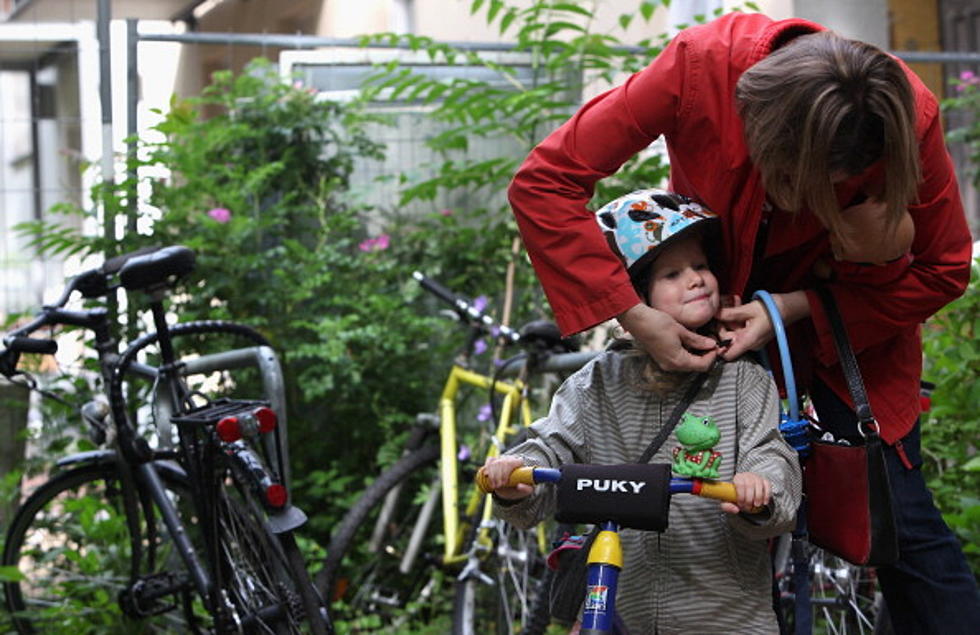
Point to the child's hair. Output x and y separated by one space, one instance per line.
638 225
823 105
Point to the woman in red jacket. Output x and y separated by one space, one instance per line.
825 159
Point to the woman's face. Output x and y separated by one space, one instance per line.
682 285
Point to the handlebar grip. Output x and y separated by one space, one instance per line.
436 289
20 344
521 475
718 490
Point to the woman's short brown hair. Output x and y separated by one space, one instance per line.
823 106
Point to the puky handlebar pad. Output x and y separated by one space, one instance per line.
631 494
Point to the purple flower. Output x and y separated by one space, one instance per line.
375 244
464 453
220 214
484 413
480 303
479 347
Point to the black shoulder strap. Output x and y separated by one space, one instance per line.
852 372
675 416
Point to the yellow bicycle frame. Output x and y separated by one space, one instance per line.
514 392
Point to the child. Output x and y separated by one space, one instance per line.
709 572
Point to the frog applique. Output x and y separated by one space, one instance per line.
697 435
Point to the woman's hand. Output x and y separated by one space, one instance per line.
498 469
667 342
748 326
753 492
866 236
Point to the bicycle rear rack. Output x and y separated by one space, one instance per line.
211 413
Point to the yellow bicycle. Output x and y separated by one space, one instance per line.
388 565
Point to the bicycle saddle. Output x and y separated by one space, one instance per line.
94 283
156 268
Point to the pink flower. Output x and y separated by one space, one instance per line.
446 212
220 214
375 244
966 76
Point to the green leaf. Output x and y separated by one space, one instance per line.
624 20
495 7
647 9
11 574
508 19
475 6
572 8
973 465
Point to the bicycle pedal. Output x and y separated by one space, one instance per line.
142 599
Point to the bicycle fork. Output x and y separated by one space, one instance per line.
605 561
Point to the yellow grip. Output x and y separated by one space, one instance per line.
722 491
718 490
520 475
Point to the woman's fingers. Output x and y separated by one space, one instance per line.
671 345
748 326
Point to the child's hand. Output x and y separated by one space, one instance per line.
753 492
498 469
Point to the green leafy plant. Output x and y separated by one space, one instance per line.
951 427
254 175
967 102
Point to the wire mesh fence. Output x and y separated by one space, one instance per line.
52 121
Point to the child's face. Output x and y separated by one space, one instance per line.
682 285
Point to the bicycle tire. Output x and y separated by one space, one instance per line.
70 542
513 597
845 599
262 579
379 592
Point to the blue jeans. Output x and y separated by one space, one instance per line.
931 589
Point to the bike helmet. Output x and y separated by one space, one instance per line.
638 224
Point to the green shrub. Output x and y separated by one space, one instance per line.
951 428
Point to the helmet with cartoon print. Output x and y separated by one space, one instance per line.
638 224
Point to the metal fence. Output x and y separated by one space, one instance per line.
52 114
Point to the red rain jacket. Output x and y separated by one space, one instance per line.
687 95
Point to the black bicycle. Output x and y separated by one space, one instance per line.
148 535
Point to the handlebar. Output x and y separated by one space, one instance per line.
93 283
466 311
19 344
705 488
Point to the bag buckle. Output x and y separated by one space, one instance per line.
873 429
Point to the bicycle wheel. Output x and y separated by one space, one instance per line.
262 582
69 555
508 592
844 598
372 587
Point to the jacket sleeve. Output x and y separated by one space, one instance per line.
876 303
554 440
763 451
584 282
